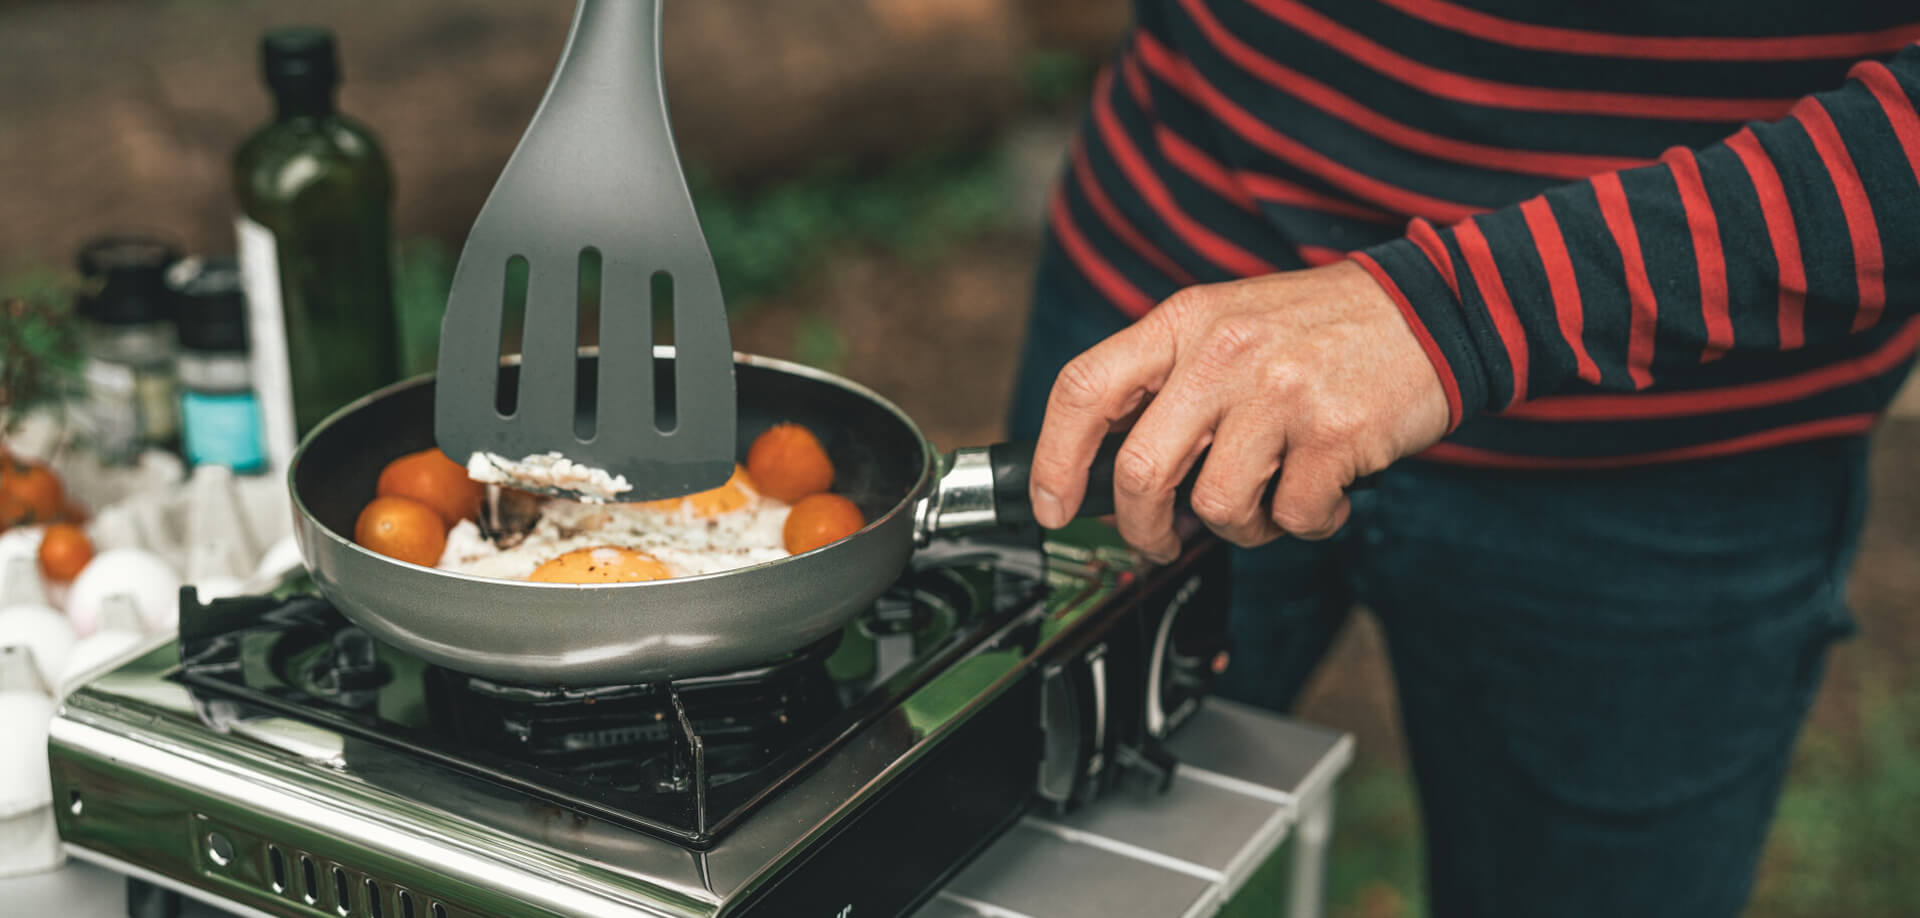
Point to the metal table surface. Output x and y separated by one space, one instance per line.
1247 781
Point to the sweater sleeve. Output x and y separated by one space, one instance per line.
1788 234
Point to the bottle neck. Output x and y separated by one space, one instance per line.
304 102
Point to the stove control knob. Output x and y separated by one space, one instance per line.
1188 652
1063 737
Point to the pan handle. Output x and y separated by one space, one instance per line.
1011 463
986 487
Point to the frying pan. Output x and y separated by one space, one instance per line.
574 634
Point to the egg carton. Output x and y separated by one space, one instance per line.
29 843
162 528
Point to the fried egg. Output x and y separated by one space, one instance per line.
601 564
728 527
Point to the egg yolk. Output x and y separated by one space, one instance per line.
734 495
601 564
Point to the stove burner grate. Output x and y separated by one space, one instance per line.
683 760
631 736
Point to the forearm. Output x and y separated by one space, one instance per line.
1788 234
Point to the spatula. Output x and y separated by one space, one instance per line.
596 172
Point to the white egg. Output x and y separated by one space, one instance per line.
116 526
45 633
152 585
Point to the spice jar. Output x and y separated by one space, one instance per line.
219 413
127 337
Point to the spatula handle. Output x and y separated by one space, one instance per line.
613 50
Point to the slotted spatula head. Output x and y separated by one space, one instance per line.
597 172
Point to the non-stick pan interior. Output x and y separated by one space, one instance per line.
877 455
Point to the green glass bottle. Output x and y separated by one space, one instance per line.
316 246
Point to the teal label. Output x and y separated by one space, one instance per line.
222 429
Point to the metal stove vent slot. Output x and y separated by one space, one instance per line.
342 892
324 887
309 881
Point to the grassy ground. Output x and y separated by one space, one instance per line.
1844 843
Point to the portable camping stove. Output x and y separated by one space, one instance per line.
276 760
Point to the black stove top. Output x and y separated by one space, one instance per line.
277 756
684 760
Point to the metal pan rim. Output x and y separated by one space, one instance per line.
904 506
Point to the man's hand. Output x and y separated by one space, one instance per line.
1312 373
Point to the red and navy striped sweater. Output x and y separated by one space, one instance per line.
1626 232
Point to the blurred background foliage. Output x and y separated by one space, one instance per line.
769 239
871 176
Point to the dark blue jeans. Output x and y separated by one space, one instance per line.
1600 676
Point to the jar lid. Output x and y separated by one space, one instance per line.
123 280
210 306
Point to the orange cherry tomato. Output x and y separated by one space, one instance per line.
788 462
64 550
429 477
35 486
818 520
14 512
402 528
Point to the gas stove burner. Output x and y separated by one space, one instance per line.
904 622
346 671
560 696
684 759
631 736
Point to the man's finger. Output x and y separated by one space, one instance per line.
1162 446
1311 502
1106 383
1230 494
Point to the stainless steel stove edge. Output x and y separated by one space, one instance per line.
217 816
140 779
165 882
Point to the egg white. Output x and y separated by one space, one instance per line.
687 543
